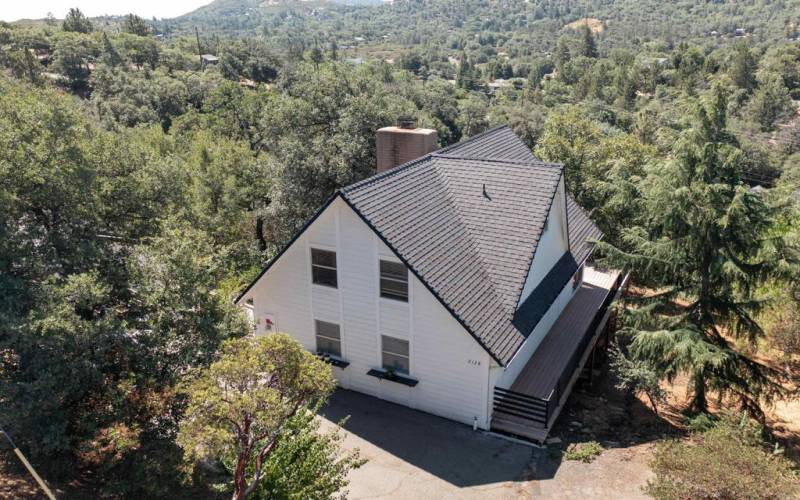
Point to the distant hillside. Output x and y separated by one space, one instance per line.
235 16
533 22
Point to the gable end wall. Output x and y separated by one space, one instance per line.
452 368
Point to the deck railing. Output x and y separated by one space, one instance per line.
577 354
539 410
530 408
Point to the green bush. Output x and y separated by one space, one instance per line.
728 461
585 452
701 422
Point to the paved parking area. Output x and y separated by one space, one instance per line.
413 455
419 456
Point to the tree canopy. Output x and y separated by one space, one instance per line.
246 399
709 242
140 190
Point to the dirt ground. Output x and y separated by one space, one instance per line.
14 482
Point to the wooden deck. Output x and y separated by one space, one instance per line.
552 370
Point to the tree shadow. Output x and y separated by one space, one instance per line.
598 411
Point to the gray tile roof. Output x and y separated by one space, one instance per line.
467 221
503 143
582 231
499 143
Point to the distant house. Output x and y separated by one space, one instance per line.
457 282
499 83
207 59
41 55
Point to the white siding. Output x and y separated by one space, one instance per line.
452 368
290 305
503 378
552 245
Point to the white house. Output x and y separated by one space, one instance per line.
436 284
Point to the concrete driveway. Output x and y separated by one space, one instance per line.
419 456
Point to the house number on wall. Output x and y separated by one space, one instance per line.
473 362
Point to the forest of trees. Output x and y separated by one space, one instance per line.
140 191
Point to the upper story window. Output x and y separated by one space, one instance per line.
394 354
394 280
329 338
323 267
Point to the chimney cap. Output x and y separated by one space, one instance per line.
406 122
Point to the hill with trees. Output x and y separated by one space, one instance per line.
141 188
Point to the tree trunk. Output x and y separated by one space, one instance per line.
652 403
245 450
239 480
699 403
262 241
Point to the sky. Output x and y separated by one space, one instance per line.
12 10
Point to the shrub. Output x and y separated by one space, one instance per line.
784 332
730 460
701 422
585 452
637 377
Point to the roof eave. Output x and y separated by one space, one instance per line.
283 250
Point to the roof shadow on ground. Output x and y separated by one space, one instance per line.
448 450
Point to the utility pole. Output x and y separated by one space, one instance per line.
199 50
28 466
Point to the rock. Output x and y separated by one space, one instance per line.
553 440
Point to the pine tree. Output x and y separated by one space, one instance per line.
24 66
315 56
333 50
464 78
705 243
135 25
743 68
562 54
110 54
588 45
75 21
770 102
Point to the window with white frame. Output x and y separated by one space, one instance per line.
394 280
394 354
323 267
329 338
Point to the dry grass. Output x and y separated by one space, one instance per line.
596 25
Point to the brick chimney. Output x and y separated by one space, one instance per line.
403 143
